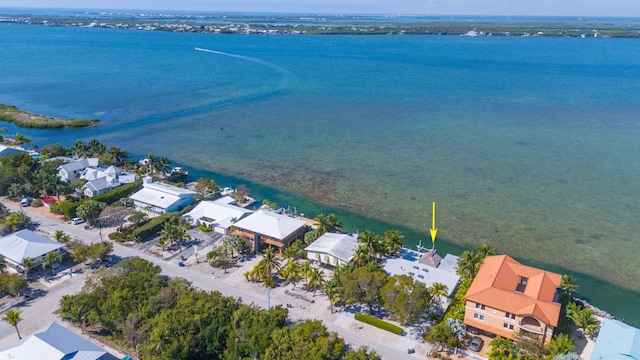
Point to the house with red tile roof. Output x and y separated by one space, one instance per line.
507 298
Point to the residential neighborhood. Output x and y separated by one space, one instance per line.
361 285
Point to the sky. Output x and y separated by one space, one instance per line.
593 8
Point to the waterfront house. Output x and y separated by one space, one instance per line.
99 180
53 342
158 198
6 150
507 298
220 214
72 170
24 244
267 228
332 249
422 268
616 340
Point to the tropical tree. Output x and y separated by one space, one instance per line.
305 271
269 262
18 221
371 242
90 210
204 187
333 289
52 258
138 217
61 237
80 149
3 264
437 291
20 139
392 241
361 255
27 264
483 251
406 299
468 265
12 284
560 344
115 216
568 284
586 321
503 349
291 272
78 315
219 257
323 224
316 280
13 318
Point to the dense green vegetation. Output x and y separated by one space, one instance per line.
159 318
26 119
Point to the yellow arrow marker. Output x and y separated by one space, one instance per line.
433 229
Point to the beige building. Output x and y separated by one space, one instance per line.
507 298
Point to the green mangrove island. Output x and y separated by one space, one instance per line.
25 119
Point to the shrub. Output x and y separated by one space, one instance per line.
205 228
379 323
37 203
151 228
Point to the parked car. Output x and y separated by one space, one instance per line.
76 221
24 201
472 330
476 343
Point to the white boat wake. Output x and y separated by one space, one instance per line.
288 78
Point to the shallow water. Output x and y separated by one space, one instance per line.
530 144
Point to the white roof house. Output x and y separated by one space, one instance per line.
26 244
220 214
424 273
74 169
158 198
6 150
270 228
99 180
53 342
333 249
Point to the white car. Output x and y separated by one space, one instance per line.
76 221
24 202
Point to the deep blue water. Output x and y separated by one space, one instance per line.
530 144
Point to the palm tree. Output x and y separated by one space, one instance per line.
568 284
305 271
78 316
361 256
20 139
483 251
393 241
27 264
3 212
169 233
468 265
13 318
334 223
151 161
61 237
52 258
586 321
291 272
3 264
370 242
269 262
323 224
437 290
80 149
316 279
333 289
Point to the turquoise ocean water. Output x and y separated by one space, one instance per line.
530 144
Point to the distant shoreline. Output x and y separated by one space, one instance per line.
326 25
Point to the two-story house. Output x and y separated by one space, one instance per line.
507 298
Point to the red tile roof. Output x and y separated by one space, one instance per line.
496 282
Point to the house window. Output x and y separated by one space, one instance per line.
505 325
480 306
475 316
510 326
510 316
481 317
